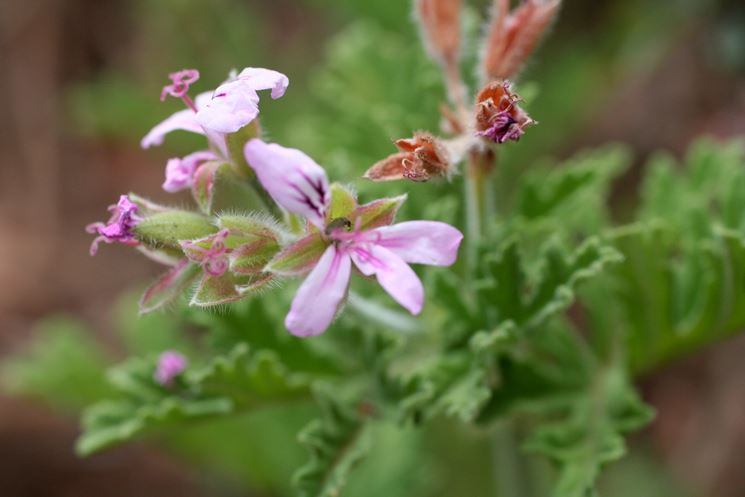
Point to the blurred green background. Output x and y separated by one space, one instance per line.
79 82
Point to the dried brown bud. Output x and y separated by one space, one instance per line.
499 118
440 22
512 36
420 158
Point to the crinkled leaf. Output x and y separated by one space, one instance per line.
230 384
337 441
590 433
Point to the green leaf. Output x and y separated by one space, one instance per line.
337 441
574 192
228 385
590 433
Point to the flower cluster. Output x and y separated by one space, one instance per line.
228 257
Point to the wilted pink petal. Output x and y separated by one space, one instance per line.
265 79
393 274
170 365
180 172
421 242
293 179
119 227
320 295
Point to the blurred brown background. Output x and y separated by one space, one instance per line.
687 79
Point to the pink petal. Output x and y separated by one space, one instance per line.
233 105
292 178
421 242
265 79
393 274
183 120
180 172
320 295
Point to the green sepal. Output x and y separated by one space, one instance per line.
252 258
168 286
343 203
299 257
236 142
377 213
216 290
168 228
205 178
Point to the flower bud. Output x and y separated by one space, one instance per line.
512 37
499 118
421 158
440 23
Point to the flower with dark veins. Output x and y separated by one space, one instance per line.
362 235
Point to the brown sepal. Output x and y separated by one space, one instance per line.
420 158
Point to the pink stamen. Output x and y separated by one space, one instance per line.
182 80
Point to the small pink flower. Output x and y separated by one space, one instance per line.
119 227
230 107
180 171
170 365
299 185
210 252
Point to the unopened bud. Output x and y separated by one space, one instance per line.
420 158
440 23
499 118
512 36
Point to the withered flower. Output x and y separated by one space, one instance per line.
420 158
499 118
512 36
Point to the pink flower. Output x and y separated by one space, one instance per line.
170 365
119 227
229 108
299 185
180 172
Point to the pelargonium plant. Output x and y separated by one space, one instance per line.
531 326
